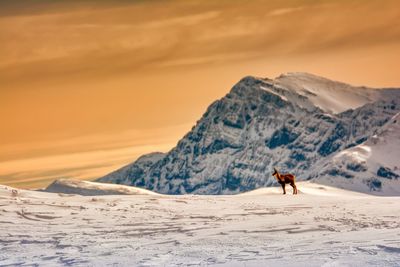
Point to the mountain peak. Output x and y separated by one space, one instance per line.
308 79
310 91
331 96
298 74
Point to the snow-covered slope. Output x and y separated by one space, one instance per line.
373 166
321 226
85 188
330 96
293 122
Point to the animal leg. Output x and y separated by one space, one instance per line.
294 188
283 187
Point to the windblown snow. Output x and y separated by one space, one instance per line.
321 226
330 96
86 188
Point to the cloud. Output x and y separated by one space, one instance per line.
284 11
188 20
85 157
115 39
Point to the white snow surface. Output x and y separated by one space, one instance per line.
69 186
385 146
321 226
330 96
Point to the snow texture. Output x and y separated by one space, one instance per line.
85 188
321 226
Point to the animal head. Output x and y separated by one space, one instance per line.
275 172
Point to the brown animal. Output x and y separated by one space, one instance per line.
284 179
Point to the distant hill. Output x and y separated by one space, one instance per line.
86 188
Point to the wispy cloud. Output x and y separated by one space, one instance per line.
284 11
84 157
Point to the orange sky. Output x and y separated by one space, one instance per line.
88 86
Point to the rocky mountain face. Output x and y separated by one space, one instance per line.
372 166
297 123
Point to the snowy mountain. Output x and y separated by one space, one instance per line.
295 122
373 166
